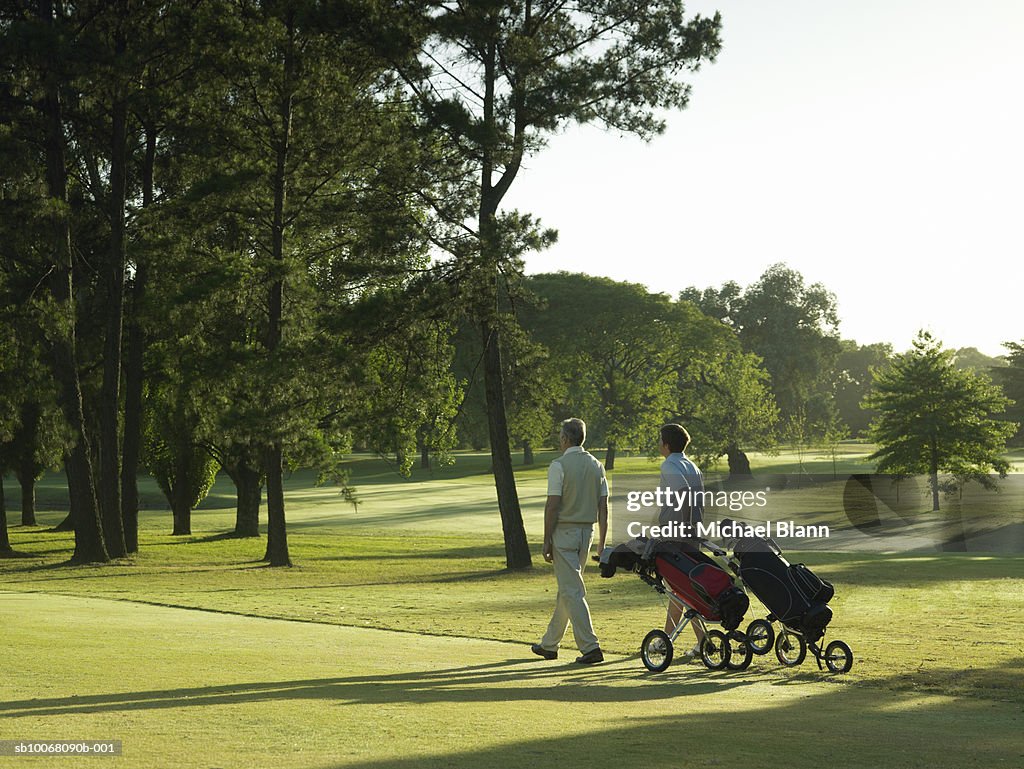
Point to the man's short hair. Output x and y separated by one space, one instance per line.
676 437
574 431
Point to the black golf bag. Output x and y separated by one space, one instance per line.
794 594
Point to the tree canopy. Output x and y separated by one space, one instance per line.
935 418
793 328
1011 377
496 78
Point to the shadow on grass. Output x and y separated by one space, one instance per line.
445 553
72 570
15 554
848 726
219 536
541 680
843 727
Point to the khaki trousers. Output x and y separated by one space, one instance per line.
570 548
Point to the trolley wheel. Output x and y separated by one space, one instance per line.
740 653
838 657
656 651
760 636
790 649
714 650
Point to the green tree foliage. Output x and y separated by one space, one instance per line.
534 384
792 327
627 360
39 56
173 453
235 177
853 379
973 358
37 445
101 64
726 404
615 343
935 418
39 436
8 419
1011 377
409 395
497 78
308 172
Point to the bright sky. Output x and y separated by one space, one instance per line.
875 146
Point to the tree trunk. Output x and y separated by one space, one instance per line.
609 456
933 473
277 532
248 492
517 549
26 442
110 400
424 454
181 491
89 541
182 514
273 465
5 540
28 498
739 464
68 524
134 373
527 453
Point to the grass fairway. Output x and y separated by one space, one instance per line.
200 689
398 640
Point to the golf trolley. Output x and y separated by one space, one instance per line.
796 598
699 588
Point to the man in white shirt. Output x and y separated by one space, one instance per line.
577 499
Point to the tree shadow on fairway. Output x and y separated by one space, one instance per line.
559 714
516 679
847 727
219 536
69 570
440 554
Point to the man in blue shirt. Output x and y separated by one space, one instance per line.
679 473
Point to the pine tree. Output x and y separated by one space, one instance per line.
934 418
497 78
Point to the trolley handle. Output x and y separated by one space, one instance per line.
711 547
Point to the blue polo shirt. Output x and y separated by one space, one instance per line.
679 472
